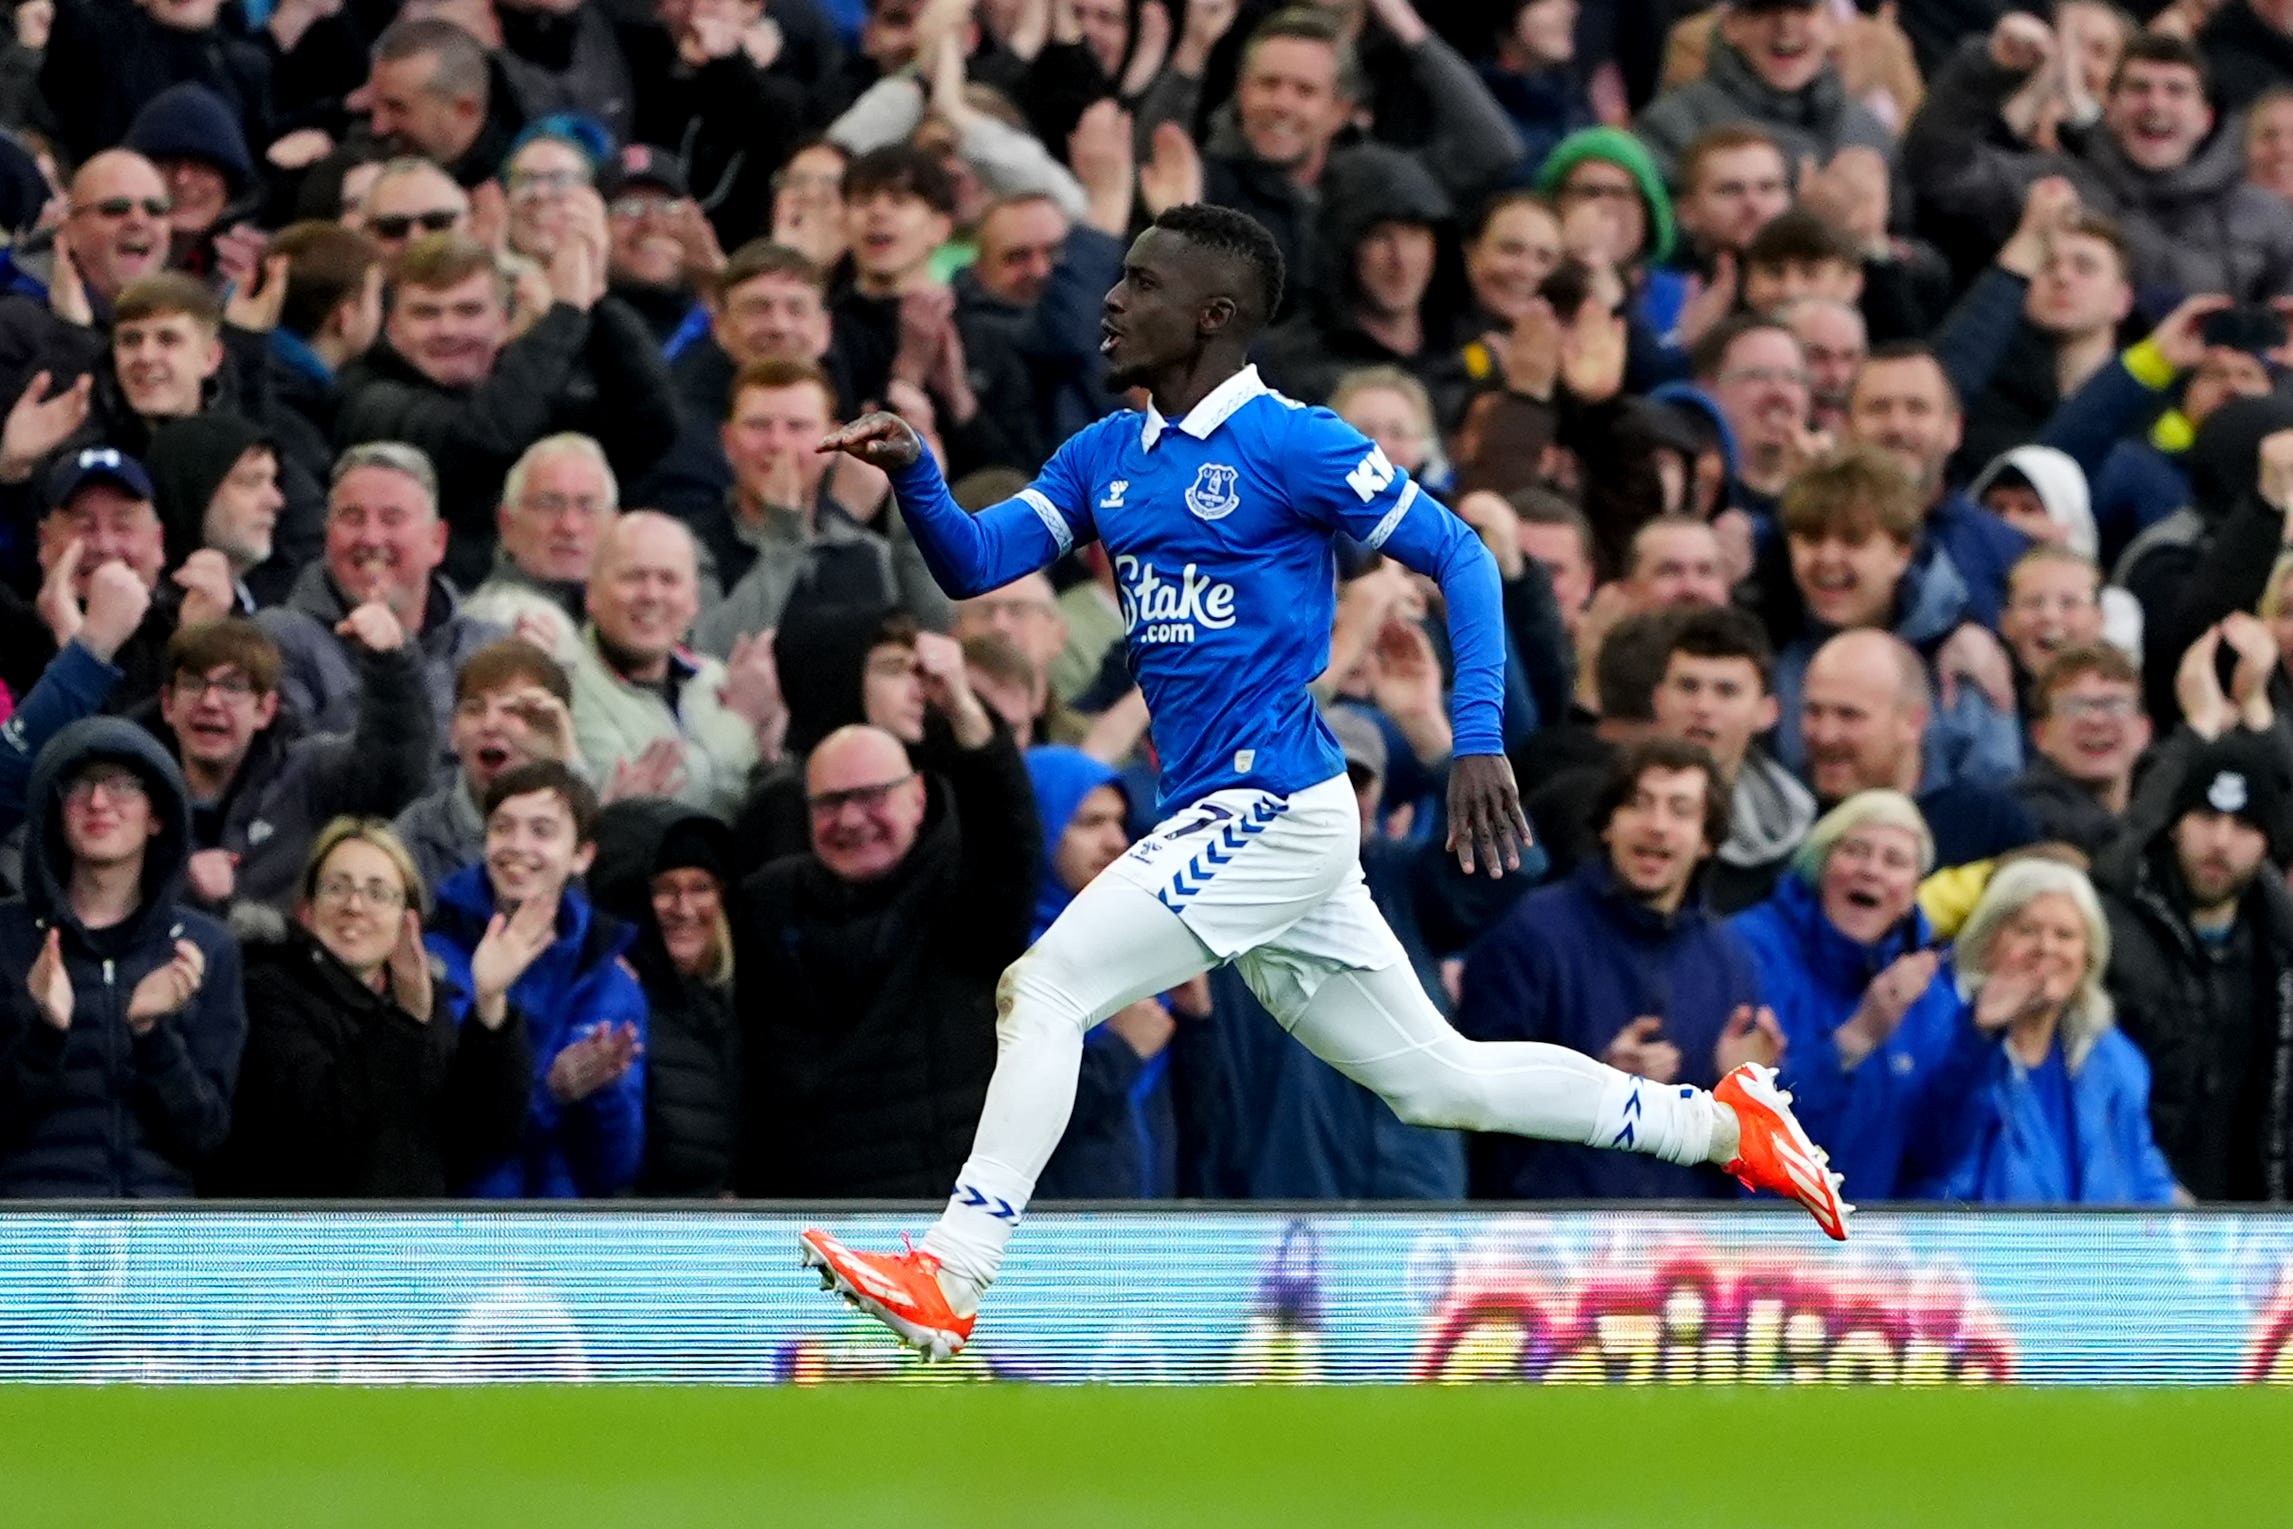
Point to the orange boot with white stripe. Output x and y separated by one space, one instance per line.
900 1290
1774 1153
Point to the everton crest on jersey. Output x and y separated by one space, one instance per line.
1219 528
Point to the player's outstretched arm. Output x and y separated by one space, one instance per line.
968 554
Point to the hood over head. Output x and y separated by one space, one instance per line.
47 858
2060 484
189 458
1062 777
2225 459
823 658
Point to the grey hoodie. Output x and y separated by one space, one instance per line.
1814 122
1769 816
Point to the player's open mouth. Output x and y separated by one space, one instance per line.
1109 336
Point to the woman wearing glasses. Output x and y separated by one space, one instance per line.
356 1079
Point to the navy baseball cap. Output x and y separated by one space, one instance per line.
97 464
640 164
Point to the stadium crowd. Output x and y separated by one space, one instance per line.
463 740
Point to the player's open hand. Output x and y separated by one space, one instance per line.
1487 828
879 439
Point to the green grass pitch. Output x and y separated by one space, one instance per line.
1045 1458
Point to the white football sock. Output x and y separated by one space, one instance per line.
1114 945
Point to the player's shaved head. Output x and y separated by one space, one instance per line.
1245 262
1197 287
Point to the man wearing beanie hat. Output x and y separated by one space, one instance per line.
1594 174
189 132
2201 965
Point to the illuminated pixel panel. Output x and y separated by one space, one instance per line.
1174 1296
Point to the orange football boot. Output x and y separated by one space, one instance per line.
1775 1154
900 1290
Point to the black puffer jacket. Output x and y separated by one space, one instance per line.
869 1010
2221 1064
343 1094
693 1046
95 1111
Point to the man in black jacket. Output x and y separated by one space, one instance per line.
99 516
114 233
866 969
2201 970
662 868
434 92
261 785
896 327
120 1019
448 378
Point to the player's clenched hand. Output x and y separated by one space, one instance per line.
1487 828
880 440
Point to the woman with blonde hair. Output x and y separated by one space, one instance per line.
356 1081
2060 1112
1879 1046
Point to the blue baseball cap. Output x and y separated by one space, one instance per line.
97 464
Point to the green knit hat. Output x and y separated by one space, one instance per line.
1615 146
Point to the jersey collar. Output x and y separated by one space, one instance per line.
1215 409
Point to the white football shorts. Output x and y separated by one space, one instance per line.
1247 870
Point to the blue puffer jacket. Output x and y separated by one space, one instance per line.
1572 965
570 1151
2014 1157
1897 1115
95 1111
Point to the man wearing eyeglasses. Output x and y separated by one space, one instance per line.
2087 729
261 785
115 232
124 1020
659 244
866 968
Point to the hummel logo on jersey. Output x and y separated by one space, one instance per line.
1158 610
1114 494
1212 495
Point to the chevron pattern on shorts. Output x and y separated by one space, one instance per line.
1219 849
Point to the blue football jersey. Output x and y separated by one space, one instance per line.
1221 528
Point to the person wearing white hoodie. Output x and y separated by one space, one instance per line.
2043 493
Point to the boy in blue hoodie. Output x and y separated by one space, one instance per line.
514 930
